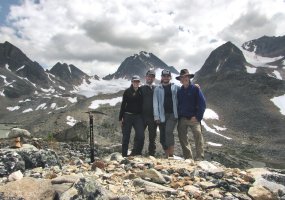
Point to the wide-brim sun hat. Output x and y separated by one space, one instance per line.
184 72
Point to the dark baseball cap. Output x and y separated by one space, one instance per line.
165 72
136 78
150 72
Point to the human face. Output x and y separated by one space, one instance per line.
149 79
165 79
136 84
185 80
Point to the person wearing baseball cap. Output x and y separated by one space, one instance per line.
131 117
147 110
165 111
191 108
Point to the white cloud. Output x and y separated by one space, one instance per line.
97 35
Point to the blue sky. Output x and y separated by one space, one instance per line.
4 9
97 35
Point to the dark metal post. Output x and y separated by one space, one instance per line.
91 137
91 133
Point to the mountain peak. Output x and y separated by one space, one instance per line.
226 58
266 46
69 73
139 64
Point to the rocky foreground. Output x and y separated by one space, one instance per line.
51 170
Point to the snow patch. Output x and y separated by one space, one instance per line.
250 70
7 67
2 93
72 100
218 128
257 60
210 114
280 103
42 106
277 75
217 69
51 89
30 82
53 106
49 77
28 110
101 87
69 69
62 88
20 68
95 104
214 144
26 100
213 130
13 108
57 108
71 121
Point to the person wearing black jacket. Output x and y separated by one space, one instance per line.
131 116
147 112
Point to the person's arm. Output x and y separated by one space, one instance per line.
201 105
123 106
155 105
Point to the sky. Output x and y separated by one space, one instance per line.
97 35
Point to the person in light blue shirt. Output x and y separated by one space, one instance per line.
165 111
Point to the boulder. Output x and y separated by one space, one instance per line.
12 160
78 132
211 169
28 188
153 175
18 132
17 175
261 193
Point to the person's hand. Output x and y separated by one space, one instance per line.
122 122
193 119
197 85
157 121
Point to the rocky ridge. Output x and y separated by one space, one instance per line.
115 177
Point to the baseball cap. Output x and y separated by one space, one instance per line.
165 72
150 72
135 78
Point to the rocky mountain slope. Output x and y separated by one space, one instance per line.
243 103
139 64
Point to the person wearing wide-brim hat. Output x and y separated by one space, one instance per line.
130 117
183 73
191 108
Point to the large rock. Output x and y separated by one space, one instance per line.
211 169
153 175
28 188
12 160
87 188
260 193
18 132
273 181
76 133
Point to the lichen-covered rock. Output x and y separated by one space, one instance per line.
28 188
18 132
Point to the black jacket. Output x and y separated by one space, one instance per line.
132 102
147 106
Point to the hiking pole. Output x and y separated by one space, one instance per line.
91 133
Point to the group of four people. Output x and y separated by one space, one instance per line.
164 105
